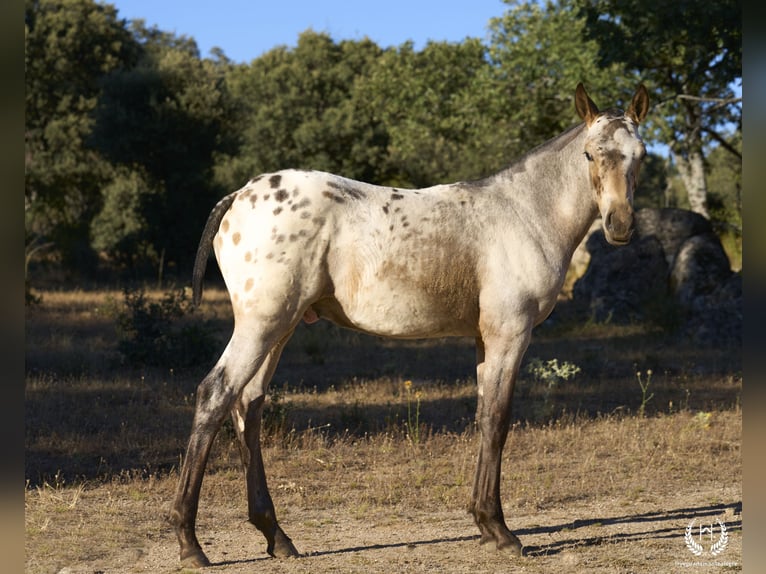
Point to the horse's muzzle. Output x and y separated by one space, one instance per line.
619 226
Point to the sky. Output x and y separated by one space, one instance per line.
245 29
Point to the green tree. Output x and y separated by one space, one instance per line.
436 108
689 53
294 111
70 45
162 121
539 54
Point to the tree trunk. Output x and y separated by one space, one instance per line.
692 171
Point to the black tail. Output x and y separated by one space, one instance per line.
206 242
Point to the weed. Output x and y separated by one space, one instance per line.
413 421
161 333
275 413
645 396
549 374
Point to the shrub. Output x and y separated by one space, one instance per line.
163 333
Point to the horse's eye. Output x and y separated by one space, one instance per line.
588 156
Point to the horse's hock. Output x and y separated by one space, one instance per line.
674 259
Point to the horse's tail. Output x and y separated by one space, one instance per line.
206 242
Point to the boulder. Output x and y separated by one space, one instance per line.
620 282
674 268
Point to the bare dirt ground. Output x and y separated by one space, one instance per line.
379 505
606 536
591 481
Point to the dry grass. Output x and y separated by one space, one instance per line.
103 443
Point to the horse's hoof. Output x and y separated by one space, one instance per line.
513 547
195 559
283 547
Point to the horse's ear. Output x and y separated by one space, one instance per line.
639 105
585 107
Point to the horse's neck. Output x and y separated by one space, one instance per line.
550 187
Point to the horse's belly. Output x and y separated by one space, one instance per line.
400 314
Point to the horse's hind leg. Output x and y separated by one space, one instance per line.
216 395
246 415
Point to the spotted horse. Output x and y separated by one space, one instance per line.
483 259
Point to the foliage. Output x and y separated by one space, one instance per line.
549 372
275 413
131 136
436 108
539 54
160 333
646 396
69 46
690 56
546 375
413 419
294 110
162 120
119 230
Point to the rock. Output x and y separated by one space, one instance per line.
671 227
621 281
700 267
675 267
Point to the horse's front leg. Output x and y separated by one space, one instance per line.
247 416
498 360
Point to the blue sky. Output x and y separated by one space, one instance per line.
245 29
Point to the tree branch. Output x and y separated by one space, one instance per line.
720 101
723 143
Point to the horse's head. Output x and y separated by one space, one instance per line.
614 150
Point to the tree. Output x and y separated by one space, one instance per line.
162 122
539 54
294 111
69 46
435 107
689 53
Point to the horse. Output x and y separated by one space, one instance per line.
483 259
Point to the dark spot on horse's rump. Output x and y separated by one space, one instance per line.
281 195
277 211
318 220
346 189
405 224
396 196
385 209
280 238
391 227
334 197
253 199
269 256
256 179
275 180
305 215
305 202
266 197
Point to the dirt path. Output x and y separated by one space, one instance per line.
610 536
